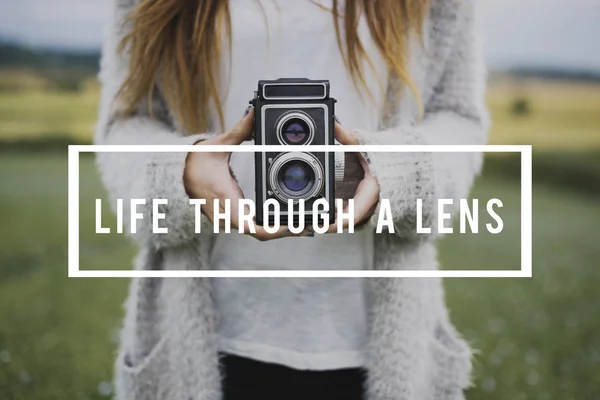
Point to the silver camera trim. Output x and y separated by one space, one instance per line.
264 93
264 109
285 159
295 115
340 164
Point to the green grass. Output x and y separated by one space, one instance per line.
538 338
59 332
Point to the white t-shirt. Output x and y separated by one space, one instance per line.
303 323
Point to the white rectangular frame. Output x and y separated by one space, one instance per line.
526 214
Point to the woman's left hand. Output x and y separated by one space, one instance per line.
366 196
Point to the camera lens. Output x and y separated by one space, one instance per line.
296 176
295 131
295 128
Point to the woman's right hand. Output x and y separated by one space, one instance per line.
208 176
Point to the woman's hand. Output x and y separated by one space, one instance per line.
366 195
208 176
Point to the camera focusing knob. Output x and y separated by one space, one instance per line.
340 164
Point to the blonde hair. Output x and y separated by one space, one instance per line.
179 43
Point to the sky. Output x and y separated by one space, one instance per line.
549 33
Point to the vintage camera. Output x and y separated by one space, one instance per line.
298 113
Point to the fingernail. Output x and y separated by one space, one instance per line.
247 110
337 119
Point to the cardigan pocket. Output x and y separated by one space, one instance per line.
146 379
450 366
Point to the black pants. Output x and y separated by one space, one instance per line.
246 379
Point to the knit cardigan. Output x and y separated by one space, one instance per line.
168 348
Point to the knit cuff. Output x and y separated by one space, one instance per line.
404 178
164 180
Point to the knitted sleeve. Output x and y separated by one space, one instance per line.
455 113
146 176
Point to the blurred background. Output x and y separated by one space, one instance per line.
537 338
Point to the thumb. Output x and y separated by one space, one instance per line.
242 131
344 136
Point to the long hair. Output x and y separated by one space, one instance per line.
179 43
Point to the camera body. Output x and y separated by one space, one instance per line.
298 113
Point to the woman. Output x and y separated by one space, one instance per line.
404 72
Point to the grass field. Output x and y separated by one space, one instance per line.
537 338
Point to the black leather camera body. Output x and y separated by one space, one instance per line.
298 113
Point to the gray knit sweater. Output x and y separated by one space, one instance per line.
168 347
